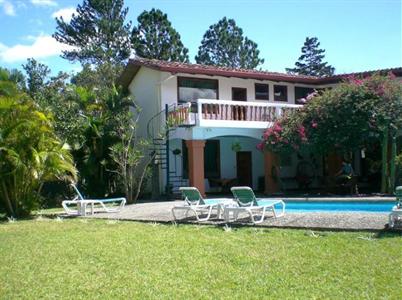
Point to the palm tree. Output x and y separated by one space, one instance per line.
30 152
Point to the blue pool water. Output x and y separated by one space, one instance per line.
339 206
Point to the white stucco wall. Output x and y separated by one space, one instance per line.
169 87
228 157
146 89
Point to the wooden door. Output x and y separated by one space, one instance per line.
239 113
244 168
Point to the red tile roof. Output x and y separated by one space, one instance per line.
178 67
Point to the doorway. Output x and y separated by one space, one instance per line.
244 169
239 113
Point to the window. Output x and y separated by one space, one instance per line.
280 93
261 91
302 93
191 89
212 160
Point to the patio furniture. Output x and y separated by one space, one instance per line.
395 217
194 202
81 204
247 202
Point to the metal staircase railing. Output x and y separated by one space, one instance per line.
174 117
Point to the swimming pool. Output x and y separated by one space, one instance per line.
339 206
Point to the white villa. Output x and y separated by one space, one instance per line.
216 118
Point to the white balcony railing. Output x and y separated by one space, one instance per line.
224 113
246 114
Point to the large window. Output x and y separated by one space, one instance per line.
302 93
191 89
261 91
280 93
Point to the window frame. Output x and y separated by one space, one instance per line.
255 90
286 93
302 87
179 78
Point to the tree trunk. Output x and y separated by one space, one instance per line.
142 178
384 160
7 199
392 165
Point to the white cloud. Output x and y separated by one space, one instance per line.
66 13
44 2
8 7
42 46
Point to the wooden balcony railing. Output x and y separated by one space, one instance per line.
224 113
254 114
179 115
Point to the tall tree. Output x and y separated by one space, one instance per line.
311 61
98 33
37 74
154 37
223 44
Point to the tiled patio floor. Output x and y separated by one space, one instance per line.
161 212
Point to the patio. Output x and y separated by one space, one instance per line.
161 212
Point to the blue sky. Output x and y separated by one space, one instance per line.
358 35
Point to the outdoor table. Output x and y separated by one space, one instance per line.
232 207
226 202
82 207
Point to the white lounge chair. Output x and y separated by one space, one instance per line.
81 204
247 202
194 202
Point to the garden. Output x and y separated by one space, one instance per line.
57 129
84 258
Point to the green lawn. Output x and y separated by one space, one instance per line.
107 259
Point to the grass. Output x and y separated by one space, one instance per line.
92 259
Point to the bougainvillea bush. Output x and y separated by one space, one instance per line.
341 119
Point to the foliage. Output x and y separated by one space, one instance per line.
147 261
30 154
97 115
129 154
14 75
97 78
343 119
310 62
154 37
398 163
37 74
223 44
98 33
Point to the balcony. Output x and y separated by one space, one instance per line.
224 113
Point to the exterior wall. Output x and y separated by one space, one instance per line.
227 157
146 92
169 87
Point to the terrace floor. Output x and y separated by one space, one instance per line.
161 212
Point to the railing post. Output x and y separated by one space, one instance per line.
167 153
199 116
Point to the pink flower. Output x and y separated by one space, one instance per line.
260 146
355 81
302 133
314 124
277 127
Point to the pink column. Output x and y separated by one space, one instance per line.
196 164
